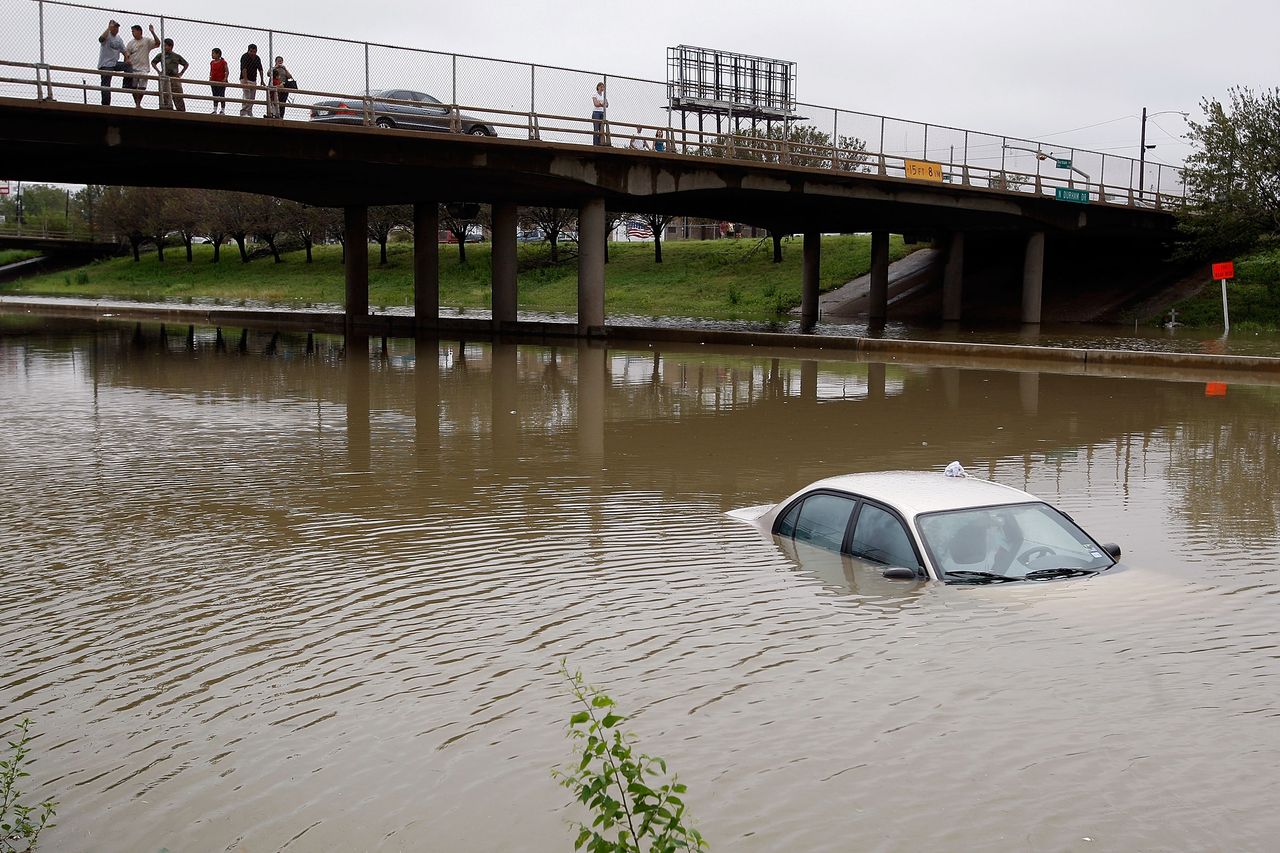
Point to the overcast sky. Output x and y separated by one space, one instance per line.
994 65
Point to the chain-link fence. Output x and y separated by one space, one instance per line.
53 54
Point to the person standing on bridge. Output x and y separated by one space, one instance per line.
111 48
138 52
599 104
171 87
218 72
250 76
279 91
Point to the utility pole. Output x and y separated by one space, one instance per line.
1142 155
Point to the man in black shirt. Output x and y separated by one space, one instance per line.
250 73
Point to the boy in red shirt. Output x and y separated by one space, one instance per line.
218 81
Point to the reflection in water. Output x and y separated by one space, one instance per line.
227 639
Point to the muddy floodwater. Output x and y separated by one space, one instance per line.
259 598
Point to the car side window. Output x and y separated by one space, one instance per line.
821 520
880 537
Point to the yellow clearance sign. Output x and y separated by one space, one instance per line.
923 170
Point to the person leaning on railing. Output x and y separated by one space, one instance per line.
111 48
138 52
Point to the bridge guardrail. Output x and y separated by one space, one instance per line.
53 41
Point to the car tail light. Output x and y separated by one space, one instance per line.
344 110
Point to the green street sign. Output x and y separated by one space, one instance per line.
1063 164
1068 194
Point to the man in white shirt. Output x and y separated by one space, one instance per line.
111 46
138 53
639 143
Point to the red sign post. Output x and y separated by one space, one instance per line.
1222 272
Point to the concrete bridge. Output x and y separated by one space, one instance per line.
353 167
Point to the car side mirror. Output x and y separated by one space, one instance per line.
1113 549
901 573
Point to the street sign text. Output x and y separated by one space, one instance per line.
1070 194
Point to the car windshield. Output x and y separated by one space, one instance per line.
1028 541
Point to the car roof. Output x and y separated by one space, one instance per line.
916 492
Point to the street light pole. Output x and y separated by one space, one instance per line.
1142 156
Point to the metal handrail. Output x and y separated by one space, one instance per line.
531 129
765 150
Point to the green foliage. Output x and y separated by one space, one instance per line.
799 145
20 825
635 807
693 280
1254 295
734 294
1233 175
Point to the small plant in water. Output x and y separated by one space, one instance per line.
635 807
20 825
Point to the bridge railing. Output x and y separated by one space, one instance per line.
53 47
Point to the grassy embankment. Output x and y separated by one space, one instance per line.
715 279
1253 296
12 256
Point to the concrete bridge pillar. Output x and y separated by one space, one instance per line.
1033 278
355 227
591 239
809 280
952 278
878 309
426 264
503 272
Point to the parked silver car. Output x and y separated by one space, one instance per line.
403 108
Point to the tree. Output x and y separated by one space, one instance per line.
459 219
798 145
180 211
229 214
657 223
122 209
213 221
552 222
87 204
266 221
777 244
1233 175
385 219
611 220
308 223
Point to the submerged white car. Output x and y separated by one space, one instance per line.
950 527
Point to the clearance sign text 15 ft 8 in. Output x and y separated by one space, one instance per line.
923 170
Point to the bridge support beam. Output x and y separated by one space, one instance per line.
878 308
953 278
503 271
591 246
426 265
809 280
1033 278
355 227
